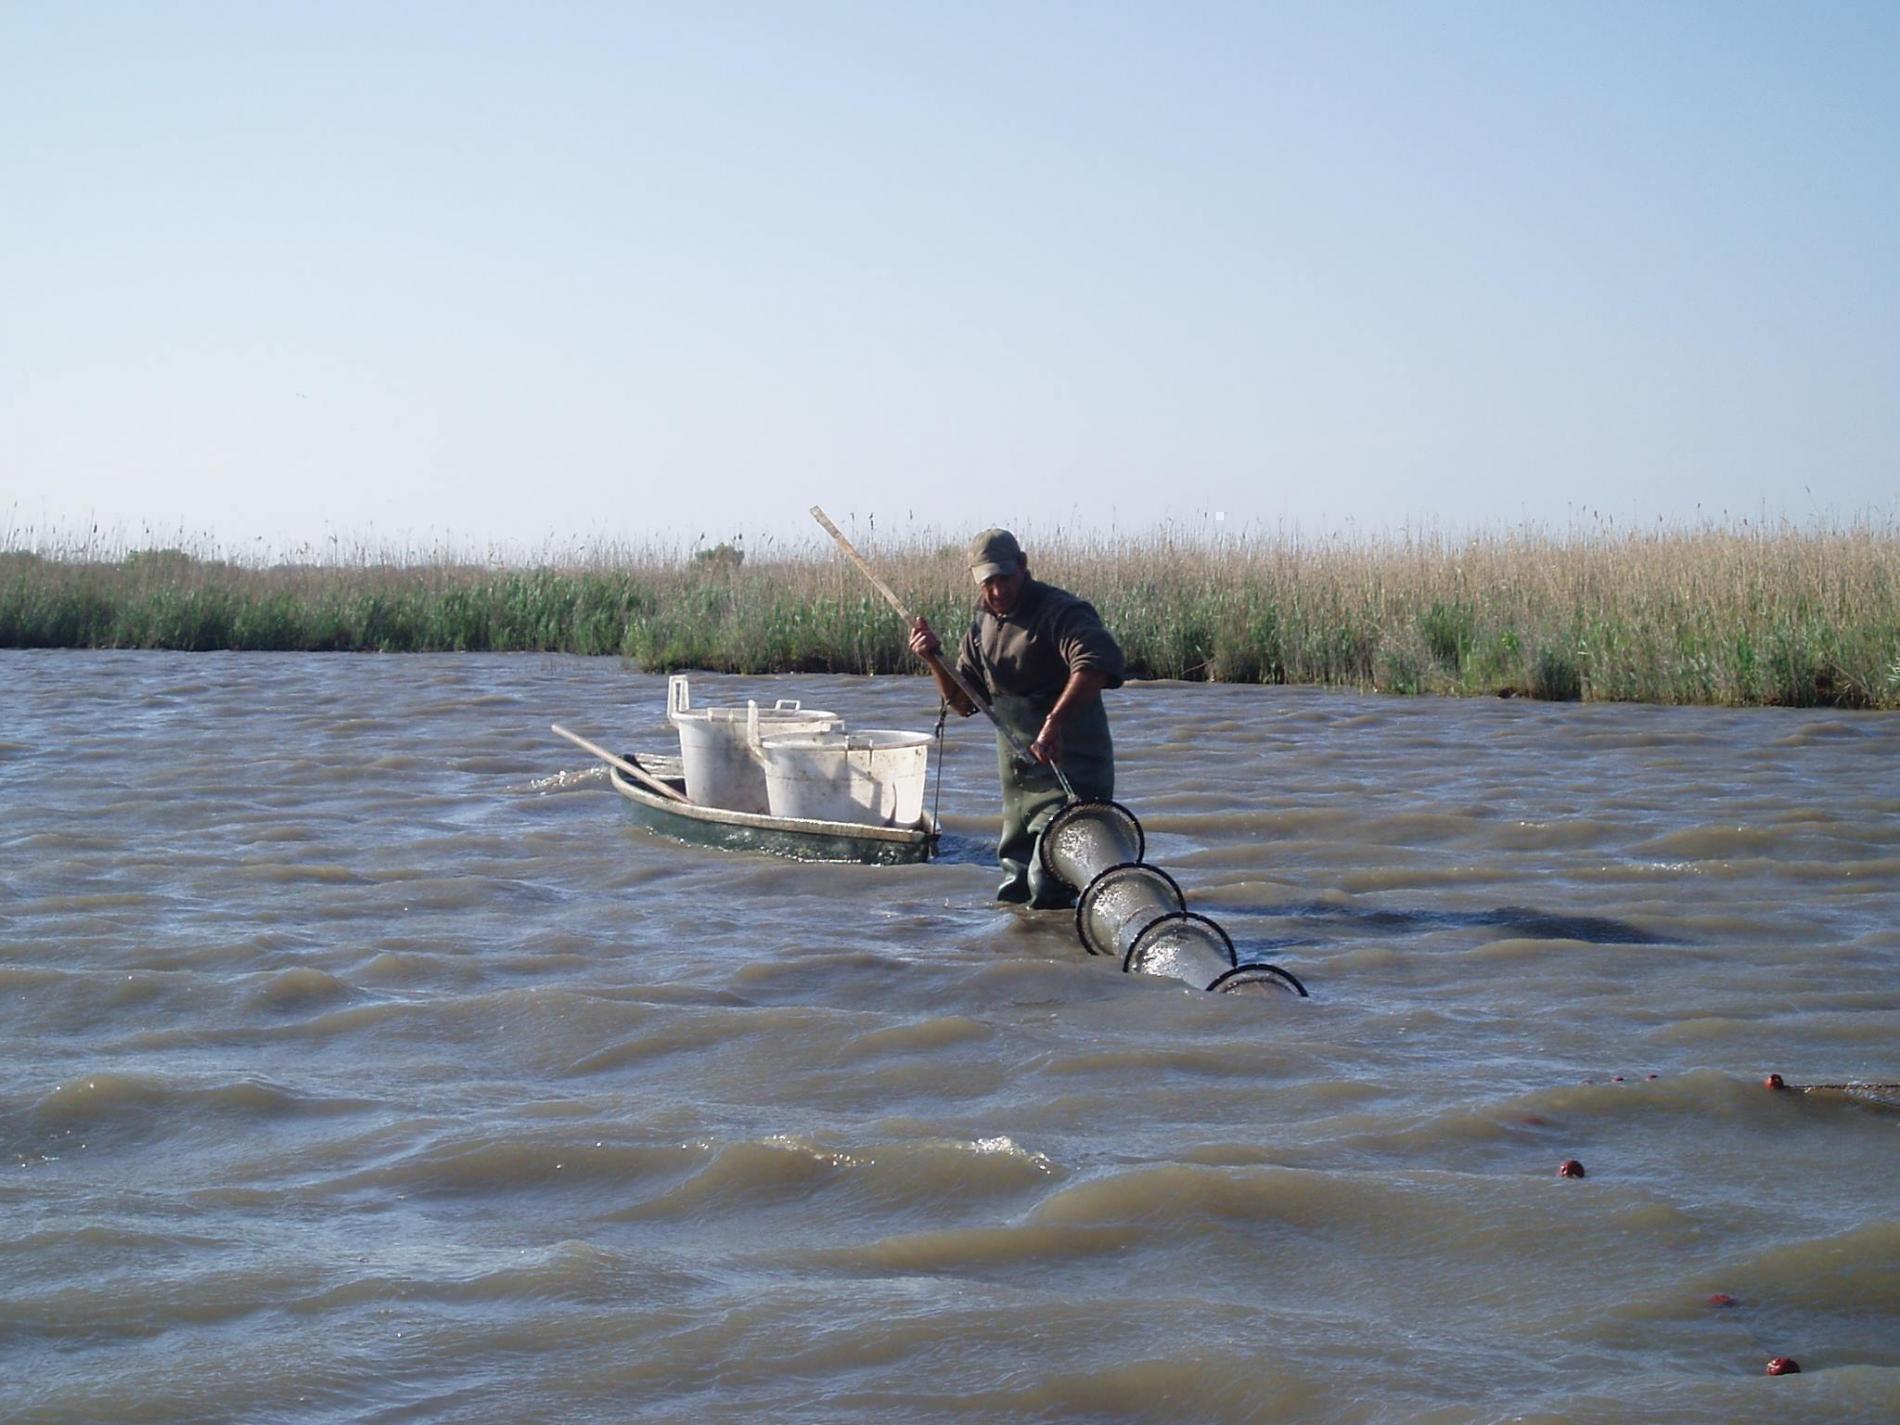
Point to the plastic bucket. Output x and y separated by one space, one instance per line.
718 745
875 777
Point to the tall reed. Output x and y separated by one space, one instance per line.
1736 614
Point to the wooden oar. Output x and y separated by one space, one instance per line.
936 660
644 778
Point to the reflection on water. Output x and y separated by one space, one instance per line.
361 1062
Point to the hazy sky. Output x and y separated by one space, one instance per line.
517 275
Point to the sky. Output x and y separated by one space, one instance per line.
514 278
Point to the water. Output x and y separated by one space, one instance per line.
359 1062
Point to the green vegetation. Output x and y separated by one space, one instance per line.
1732 615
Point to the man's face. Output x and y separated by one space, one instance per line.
1000 591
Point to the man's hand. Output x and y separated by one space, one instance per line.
927 646
1083 684
1048 744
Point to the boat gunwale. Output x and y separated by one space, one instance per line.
921 832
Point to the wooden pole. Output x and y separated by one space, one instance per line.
644 778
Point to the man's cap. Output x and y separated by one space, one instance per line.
993 552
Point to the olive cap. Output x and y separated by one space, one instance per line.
994 552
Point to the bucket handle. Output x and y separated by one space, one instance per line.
754 744
752 724
678 699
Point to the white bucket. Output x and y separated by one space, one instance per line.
874 777
719 745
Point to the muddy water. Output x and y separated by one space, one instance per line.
359 1062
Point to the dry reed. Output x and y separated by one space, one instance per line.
1735 615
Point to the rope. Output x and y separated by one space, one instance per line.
943 716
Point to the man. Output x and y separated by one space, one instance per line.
1042 658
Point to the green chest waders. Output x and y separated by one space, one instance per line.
1031 794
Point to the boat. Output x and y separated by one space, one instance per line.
797 838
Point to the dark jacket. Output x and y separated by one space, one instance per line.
1031 651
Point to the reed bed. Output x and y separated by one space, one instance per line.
1734 615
